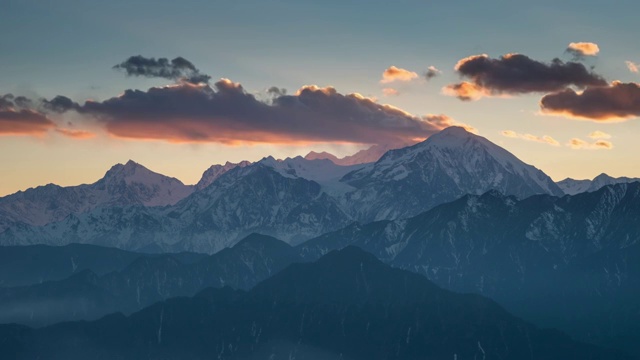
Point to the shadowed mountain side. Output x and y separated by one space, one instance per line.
571 262
28 265
348 305
146 280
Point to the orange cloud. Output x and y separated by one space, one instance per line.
24 122
390 92
583 49
599 135
466 91
545 139
76 134
393 73
579 144
633 67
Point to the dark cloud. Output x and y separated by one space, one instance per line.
6 101
226 113
615 102
518 74
179 69
276 91
431 72
59 104
23 122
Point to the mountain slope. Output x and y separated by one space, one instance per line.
444 167
347 305
572 186
27 265
569 262
129 184
215 171
86 295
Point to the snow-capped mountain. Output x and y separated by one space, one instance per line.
214 172
571 186
446 166
257 198
128 184
369 155
293 199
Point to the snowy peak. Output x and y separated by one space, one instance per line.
322 171
369 155
214 172
446 166
572 187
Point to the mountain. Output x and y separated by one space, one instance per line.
27 265
572 187
446 166
369 155
214 172
570 262
129 184
297 199
347 305
269 197
86 295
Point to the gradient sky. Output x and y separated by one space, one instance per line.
70 47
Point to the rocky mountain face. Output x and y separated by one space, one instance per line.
147 279
215 171
347 305
444 167
571 186
122 185
570 262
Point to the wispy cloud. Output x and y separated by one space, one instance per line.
633 67
579 144
545 139
599 135
179 69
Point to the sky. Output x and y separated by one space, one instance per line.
180 86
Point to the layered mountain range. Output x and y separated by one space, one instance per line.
293 199
347 305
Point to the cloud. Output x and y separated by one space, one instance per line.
179 69
226 113
390 92
24 122
393 73
579 144
517 74
545 139
616 102
581 49
76 134
432 72
599 135
465 91
633 67
443 121
59 104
